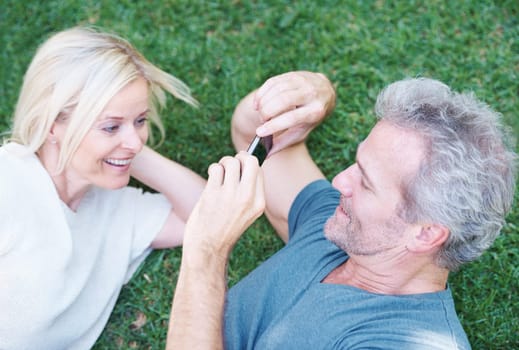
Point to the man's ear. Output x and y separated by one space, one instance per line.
430 237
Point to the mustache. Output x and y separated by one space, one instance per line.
345 205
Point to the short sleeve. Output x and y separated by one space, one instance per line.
317 200
151 212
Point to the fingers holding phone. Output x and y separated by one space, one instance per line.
232 200
260 147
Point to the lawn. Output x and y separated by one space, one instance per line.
223 49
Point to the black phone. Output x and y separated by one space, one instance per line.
260 147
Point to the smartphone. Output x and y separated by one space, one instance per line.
260 147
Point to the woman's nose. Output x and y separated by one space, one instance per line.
133 139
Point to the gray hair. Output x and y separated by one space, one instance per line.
466 181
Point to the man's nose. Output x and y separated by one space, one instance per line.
343 181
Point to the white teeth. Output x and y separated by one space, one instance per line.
118 162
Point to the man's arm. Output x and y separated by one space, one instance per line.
231 201
288 106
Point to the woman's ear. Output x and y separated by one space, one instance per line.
51 137
56 132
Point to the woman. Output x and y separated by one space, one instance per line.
72 232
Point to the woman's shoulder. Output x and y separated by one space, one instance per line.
21 173
16 155
14 149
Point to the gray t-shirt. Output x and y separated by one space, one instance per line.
283 304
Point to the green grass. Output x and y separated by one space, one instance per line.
223 49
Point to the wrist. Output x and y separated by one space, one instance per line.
204 249
205 259
245 120
138 164
242 135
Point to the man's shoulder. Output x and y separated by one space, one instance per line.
317 200
318 188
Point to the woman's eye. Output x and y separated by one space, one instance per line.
141 121
111 128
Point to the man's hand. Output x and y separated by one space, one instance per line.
291 105
232 199
287 106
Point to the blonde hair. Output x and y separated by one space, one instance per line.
73 75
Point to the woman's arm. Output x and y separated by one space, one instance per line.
179 184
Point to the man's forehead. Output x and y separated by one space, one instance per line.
393 146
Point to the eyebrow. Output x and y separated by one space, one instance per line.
116 117
110 117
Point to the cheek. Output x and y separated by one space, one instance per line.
361 211
144 134
83 154
376 216
367 209
86 160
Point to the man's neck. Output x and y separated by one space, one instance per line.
397 278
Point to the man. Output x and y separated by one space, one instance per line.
367 260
